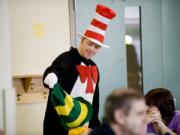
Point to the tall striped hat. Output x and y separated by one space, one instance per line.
97 29
72 112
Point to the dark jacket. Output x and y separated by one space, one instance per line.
104 129
64 66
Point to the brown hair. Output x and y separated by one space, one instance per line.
163 100
120 99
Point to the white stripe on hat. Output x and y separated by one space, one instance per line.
96 29
95 41
101 18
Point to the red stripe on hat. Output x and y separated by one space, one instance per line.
99 24
105 11
94 35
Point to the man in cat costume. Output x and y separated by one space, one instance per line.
77 74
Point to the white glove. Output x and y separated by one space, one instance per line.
50 80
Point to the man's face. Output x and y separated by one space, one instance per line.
135 121
88 48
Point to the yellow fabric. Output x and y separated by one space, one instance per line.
66 109
81 117
78 131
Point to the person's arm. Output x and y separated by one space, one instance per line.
54 73
163 129
177 122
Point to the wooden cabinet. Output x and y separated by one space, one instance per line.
30 89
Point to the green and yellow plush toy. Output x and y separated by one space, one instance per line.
73 112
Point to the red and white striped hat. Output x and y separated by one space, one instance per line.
97 29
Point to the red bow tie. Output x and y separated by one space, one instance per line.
89 73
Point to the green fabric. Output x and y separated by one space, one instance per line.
90 110
57 96
74 112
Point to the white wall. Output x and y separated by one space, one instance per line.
30 118
7 93
32 54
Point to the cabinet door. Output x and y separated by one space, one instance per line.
112 61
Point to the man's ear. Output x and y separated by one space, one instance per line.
119 116
82 38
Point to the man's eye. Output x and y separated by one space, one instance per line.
97 47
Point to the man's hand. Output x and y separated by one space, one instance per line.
51 79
